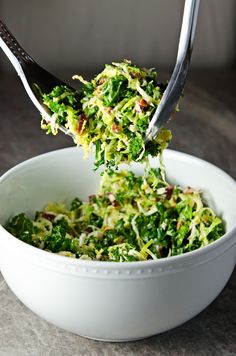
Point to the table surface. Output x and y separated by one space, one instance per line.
205 127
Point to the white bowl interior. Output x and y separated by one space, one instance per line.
63 174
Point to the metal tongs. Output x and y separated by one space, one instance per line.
36 80
176 84
34 77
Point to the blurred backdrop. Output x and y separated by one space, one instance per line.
82 35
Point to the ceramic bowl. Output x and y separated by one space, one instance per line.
111 300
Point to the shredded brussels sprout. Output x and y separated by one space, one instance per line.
131 218
111 113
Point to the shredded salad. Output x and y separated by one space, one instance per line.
110 114
131 218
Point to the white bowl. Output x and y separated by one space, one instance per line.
111 300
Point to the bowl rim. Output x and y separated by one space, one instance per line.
197 254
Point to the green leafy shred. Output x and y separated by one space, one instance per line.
131 218
111 113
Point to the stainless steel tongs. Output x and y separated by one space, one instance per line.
176 84
31 73
35 79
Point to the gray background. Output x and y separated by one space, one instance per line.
82 35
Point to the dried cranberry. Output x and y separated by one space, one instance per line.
81 123
48 216
115 128
169 191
